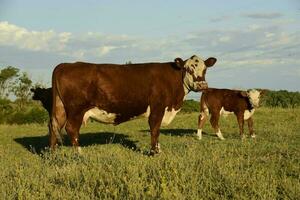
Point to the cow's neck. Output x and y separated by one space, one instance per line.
186 86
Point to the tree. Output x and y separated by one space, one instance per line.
7 75
22 89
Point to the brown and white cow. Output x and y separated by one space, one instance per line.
219 102
118 93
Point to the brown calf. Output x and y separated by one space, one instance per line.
223 102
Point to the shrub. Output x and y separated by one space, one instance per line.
190 106
34 115
282 98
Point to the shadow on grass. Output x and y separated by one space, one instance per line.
174 132
181 132
38 144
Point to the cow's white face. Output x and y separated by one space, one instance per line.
254 97
195 69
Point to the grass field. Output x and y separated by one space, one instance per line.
115 165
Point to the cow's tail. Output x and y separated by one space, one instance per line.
58 117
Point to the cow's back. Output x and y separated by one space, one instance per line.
230 100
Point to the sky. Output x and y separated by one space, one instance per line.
256 43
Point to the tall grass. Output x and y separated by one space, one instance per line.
115 165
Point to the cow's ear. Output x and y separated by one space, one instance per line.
32 89
244 94
210 61
179 63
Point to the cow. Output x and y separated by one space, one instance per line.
44 95
118 93
219 102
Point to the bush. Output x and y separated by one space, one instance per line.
190 106
282 98
34 115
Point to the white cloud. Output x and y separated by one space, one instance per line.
12 35
106 49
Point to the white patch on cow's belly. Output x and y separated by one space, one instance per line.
169 116
100 115
147 113
224 112
248 114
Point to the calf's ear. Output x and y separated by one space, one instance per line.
263 92
210 61
179 63
244 94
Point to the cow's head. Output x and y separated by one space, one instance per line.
254 96
195 70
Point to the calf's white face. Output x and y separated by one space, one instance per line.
254 97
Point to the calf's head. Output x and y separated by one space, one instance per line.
39 93
195 70
254 96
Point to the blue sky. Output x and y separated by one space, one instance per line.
257 43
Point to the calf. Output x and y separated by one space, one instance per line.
223 102
45 96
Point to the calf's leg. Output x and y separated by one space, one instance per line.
240 119
201 121
214 121
250 127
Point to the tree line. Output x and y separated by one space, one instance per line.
17 107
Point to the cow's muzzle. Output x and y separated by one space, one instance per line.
202 85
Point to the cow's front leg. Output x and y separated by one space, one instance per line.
155 119
250 127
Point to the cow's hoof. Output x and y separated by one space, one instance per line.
199 134
198 137
155 151
79 150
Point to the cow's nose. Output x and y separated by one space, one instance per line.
203 85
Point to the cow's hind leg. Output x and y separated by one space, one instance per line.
72 128
155 119
56 123
214 121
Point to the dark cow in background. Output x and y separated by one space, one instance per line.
223 102
118 93
43 95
